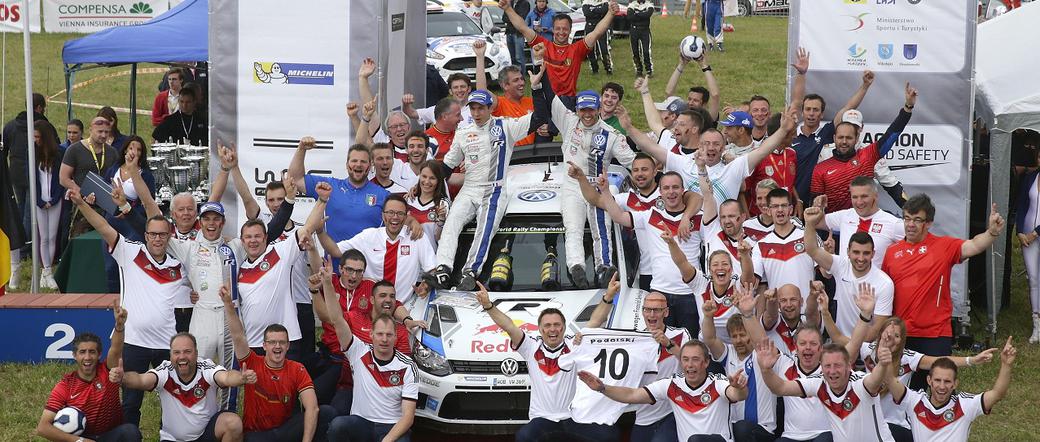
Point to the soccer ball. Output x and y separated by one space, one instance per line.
691 47
70 420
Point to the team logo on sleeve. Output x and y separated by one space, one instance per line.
370 199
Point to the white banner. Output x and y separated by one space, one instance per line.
11 16
87 16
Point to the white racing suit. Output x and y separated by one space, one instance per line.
486 151
592 149
209 265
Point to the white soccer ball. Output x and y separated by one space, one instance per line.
70 420
691 47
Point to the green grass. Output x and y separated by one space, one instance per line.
753 64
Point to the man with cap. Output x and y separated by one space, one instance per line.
737 129
882 173
485 148
589 144
662 117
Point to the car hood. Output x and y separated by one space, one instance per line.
458 44
473 336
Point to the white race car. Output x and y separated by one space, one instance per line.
470 379
449 45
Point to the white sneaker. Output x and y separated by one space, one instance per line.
1035 338
12 285
47 279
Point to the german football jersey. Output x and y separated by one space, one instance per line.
726 179
760 405
425 213
400 261
273 398
380 386
701 409
633 201
920 273
780 166
781 260
552 388
854 414
782 335
847 287
648 225
832 177
667 367
186 406
802 417
951 422
301 270
704 290
755 229
619 358
264 288
149 290
714 238
97 398
908 364
883 227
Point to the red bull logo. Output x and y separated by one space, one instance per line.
481 346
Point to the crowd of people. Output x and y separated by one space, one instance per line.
768 269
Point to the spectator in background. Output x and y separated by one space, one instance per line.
1027 225
73 134
16 150
91 154
540 19
49 195
120 173
639 14
599 52
168 101
188 124
116 138
514 39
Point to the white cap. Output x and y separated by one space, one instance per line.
853 116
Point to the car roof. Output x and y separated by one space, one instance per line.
535 180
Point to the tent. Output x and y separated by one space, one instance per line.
180 34
1007 98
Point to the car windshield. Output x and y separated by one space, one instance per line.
449 24
525 240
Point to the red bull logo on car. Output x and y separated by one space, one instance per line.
479 345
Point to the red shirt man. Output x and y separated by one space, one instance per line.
780 166
271 401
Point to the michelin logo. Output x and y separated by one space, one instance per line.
293 73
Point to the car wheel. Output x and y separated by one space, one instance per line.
744 8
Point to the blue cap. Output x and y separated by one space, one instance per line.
479 96
214 207
738 118
586 100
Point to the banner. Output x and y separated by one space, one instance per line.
11 16
87 16
271 85
928 43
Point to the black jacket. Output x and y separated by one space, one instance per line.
522 8
16 147
594 12
639 13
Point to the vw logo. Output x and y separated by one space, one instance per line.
537 196
509 367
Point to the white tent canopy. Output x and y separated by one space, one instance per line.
1007 97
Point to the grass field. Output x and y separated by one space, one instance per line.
753 64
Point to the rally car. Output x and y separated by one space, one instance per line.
449 45
763 7
470 379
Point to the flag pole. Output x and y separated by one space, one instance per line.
30 205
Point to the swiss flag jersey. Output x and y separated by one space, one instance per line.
552 389
701 409
951 422
920 273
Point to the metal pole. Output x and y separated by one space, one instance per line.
30 205
133 98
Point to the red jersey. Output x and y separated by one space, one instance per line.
509 108
832 177
440 142
97 398
780 166
272 399
563 63
363 290
920 273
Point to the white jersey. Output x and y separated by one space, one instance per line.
301 271
715 238
703 409
400 261
726 179
264 291
380 386
667 368
633 201
755 229
951 422
183 299
149 290
204 265
854 415
883 227
847 286
783 335
760 405
619 358
648 226
403 174
908 364
781 260
426 214
739 151
666 139
703 290
802 417
426 116
186 407
552 389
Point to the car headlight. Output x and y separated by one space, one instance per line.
433 55
429 361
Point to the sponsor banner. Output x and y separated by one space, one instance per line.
12 16
928 43
87 16
273 72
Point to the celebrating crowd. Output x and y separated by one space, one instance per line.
767 268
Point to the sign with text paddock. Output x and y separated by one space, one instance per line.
928 43
86 16
12 16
